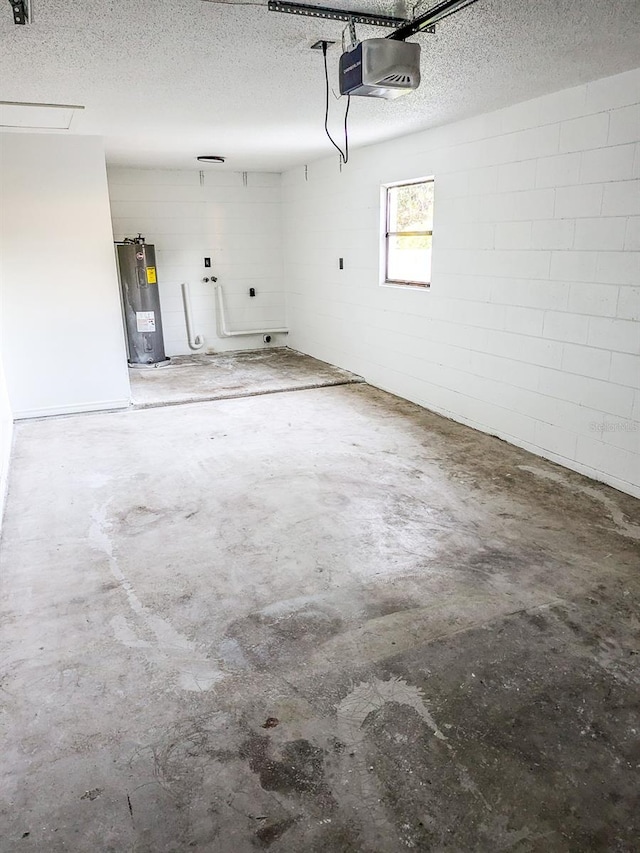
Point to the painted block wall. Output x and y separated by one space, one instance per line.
530 330
62 336
188 217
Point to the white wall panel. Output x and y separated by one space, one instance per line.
62 334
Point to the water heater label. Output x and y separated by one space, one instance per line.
151 275
146 321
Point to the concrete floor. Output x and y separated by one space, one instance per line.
192 378
319 621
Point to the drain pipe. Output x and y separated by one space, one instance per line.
224 332
195 341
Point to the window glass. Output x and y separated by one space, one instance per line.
409 218
412 207
409 259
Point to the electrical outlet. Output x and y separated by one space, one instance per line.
341 263
207 262
252 291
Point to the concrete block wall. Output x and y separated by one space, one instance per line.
530 329
233 220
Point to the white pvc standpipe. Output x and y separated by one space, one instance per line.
225 332
195 341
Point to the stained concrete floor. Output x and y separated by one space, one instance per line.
193 378
315 621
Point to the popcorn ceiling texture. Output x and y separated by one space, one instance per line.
165 81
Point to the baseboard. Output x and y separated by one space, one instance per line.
71 409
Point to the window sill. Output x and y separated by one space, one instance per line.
405 285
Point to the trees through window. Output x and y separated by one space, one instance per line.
409 230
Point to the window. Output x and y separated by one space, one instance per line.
408 232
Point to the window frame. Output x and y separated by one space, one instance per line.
386 233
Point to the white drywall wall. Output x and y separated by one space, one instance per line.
62 335
530 330
233 220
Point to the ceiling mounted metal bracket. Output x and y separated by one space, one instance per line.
352 32
426 22
328 14
21 11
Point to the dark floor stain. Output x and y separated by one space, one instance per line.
340 837
271 832
424 792
268 640
537 619
300 769
547 723
93 794
503 559
386 605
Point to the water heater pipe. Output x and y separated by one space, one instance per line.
195 341
224 332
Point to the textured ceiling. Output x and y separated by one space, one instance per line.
165 80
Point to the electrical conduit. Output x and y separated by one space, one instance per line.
195 341
225 332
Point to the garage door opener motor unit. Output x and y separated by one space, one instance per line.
380 68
